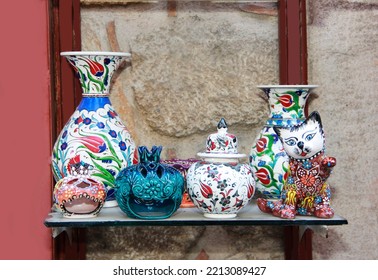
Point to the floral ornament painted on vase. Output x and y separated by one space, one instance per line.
220 189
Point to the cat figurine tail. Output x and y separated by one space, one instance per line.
305 191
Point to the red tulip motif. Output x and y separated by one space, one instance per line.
263 176
206 190
72 161
251 191
286 100
94 143
261 144
97 69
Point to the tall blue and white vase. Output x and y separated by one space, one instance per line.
95 135
268 158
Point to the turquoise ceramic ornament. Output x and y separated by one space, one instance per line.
150 189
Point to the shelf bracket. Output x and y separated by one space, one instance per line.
55 231
321 230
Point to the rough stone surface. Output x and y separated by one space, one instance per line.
187 72
240 242
142 243
191 69
343 53
157 243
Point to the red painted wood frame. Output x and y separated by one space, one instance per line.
66 95
293 71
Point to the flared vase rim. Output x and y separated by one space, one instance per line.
287 86
104 53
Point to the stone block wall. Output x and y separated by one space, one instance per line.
187 71
343 60
201 62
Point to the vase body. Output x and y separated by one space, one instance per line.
150 189
94 134
220 187
268 158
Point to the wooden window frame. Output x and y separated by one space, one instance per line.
65 35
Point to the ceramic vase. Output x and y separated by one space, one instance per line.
268 158
150 189
95 135
220 185
79 195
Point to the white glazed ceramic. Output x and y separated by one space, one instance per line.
95 134
268 158
219 185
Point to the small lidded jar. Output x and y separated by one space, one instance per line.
220 185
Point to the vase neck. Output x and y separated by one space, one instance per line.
95 94
91 103
95 71
284 121
287 105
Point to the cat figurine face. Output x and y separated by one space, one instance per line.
305 140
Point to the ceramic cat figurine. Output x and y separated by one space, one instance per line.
305 191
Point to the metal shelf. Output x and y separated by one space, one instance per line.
251 215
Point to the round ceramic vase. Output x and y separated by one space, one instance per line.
95 135
219 184
79 195
149 190
268 159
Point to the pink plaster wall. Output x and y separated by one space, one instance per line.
25 145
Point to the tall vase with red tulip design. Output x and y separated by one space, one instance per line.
268 158
95 134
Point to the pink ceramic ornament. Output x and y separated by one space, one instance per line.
79 195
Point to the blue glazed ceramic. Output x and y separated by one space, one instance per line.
150 189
